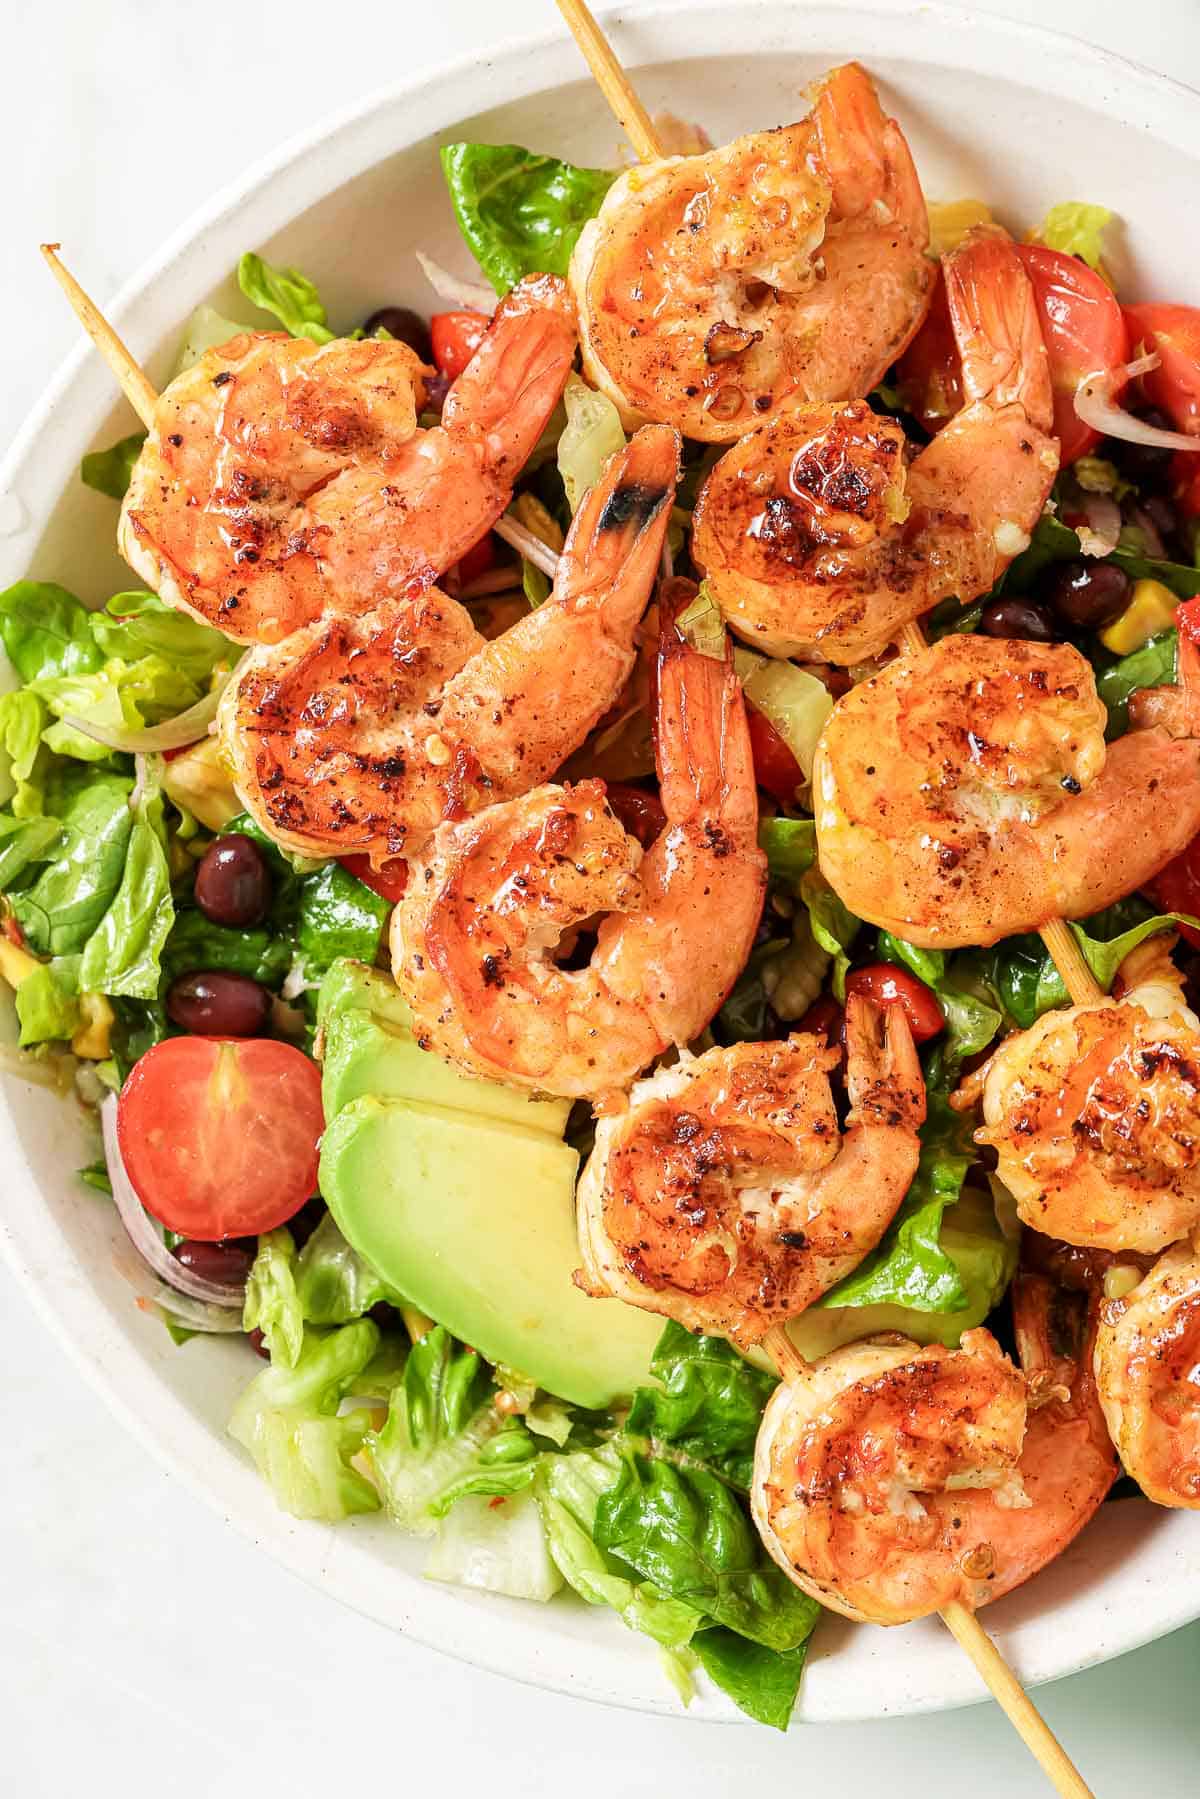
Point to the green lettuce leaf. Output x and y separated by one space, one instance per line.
195 942
761 1682
48 1002
46 632
288 1419
23 841
971 1022
272 1304
498 1545
593 432
1052 541
122 956
84 867
339 915
790 846
681 1527
1155 664
134 625
333 1282
520 213
288 294
110 471
439 1419
709 1406
1077 229
1022 971
23 719
833 925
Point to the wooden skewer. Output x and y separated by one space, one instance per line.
612 80
133 383
1067 957
970 1635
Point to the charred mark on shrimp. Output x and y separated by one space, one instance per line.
636 503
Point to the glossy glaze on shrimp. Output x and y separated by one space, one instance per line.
1094 1114
725 1196
1147 1366
783 269
494 899
364 734
818 536
891 1481
285 479
967 793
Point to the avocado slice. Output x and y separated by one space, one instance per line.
368 1047
473 1219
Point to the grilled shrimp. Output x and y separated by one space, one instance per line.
723 1196
890 1481
819 538
285 479
474 941
784 269
1148 1374
363 734
1094 1113
967 793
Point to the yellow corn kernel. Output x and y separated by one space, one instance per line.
534 516
199 782
16 964
1150 610
93 1039
950 220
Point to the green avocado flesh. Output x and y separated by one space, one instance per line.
461 1193
473 1219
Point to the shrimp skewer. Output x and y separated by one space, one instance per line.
785 268
1148 1373
1094 1113
819 537
723 1197
364 734
473 941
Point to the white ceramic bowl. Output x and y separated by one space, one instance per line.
1017 116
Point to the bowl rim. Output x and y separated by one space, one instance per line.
278 189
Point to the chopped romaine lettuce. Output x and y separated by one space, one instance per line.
109 471
23 720
122 956
1027 983
592 434
793 701
286 293
498 1545
272 1304
333 1282
709 1404
790 846
1077 229
83 867
438 1421
762 1682
834 926
47 1002
46 632
519 212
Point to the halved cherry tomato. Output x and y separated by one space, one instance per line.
930 370
1083 330
478 559
1176 888
889 985
219 1135
1173 333
825 1018
456 336
775 767
388 882
641 813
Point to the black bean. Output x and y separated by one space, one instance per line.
227 1262
233 883
1161 514
211 1003
1140 461
1018 618
402 322
1088 595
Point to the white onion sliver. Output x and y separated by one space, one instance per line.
1097 406
142 1233
472 294
529 546
192 1314
173 734
1104 523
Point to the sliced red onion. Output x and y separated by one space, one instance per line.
143 1233
173 734
192 1314
471 294
1103 529
529 546
1097 405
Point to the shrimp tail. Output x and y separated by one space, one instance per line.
864 156
883 1073
996 325
513 381
702 738
616 537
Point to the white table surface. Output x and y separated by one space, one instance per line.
147 1649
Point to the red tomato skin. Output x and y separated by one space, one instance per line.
1173 332
456 336
478 560
930 370
388 882
220 1135
640 813
1084 330
825 1018
1185 482
775 767
889 985
1176 888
